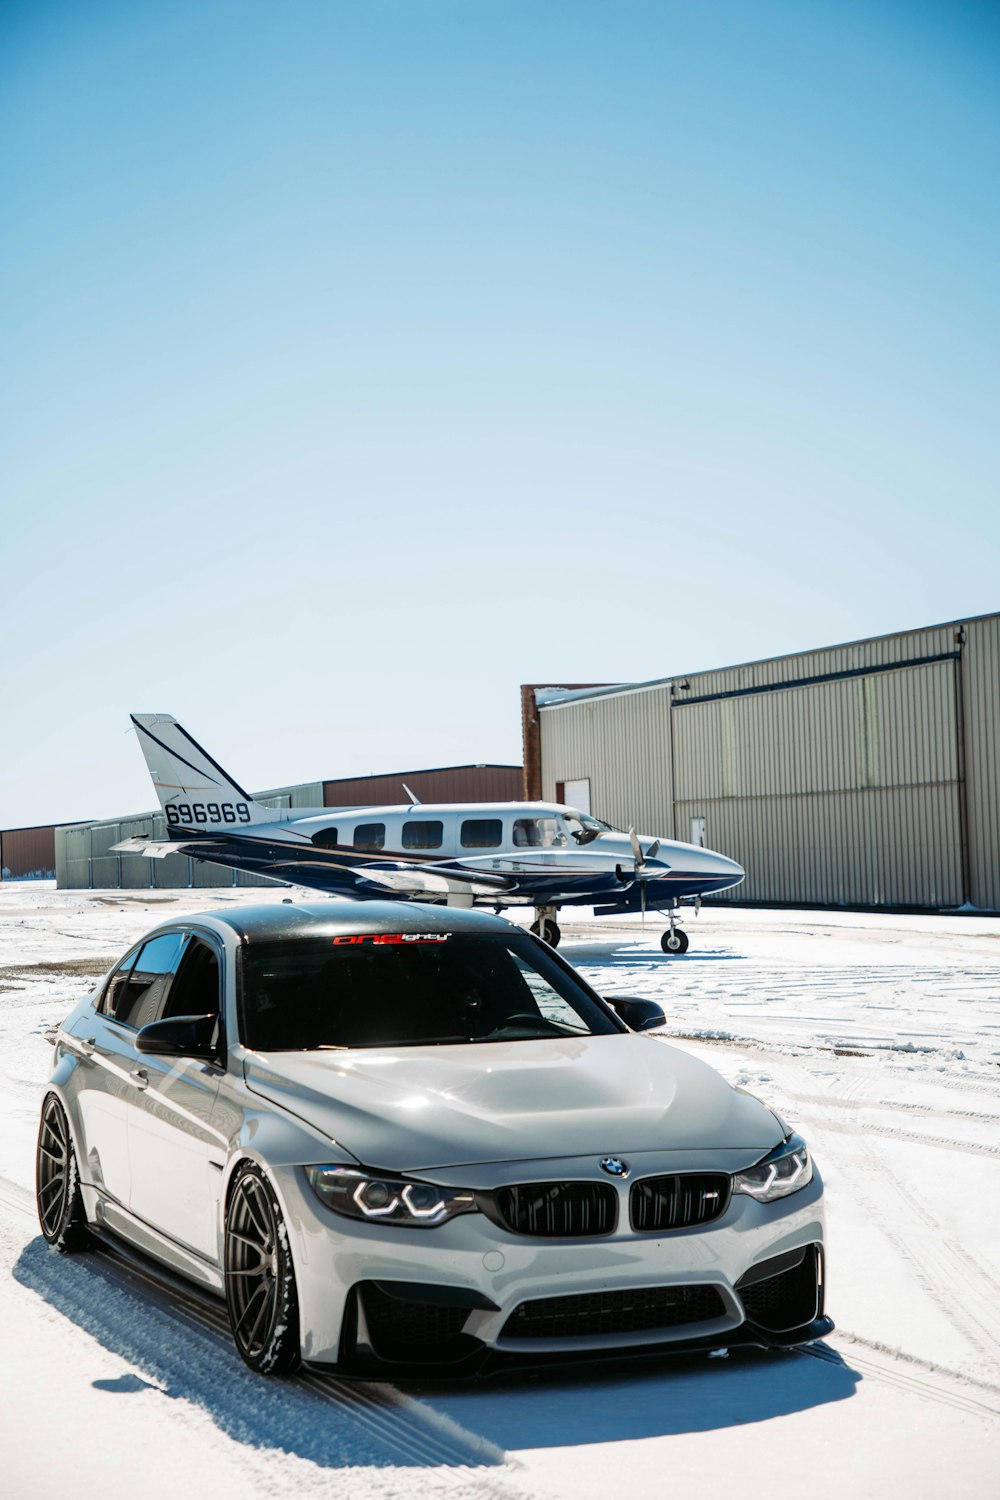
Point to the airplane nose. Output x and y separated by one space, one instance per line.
723 866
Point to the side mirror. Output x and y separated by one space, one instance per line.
180 1036
640 1015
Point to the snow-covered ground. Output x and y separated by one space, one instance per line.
878 1036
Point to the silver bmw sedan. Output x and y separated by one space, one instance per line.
396 1138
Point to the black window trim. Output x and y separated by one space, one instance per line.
189 930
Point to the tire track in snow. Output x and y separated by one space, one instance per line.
965 1292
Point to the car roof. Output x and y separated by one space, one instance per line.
331 918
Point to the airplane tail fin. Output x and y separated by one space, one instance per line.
194 790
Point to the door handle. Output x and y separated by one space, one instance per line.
87 1047
140 1078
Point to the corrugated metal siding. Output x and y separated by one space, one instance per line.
847 791
623 745
880 651
136 871
981 693
77 846
492 783
28 852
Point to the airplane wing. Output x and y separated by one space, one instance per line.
150 848
327 867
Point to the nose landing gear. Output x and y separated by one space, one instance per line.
545 925
675 940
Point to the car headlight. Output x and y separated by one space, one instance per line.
786 1169
387 1200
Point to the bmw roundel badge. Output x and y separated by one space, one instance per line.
614 1166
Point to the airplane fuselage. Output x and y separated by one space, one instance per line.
518 853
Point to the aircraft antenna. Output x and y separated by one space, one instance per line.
414 800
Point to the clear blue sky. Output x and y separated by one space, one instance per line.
364 360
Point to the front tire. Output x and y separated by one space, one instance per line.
548 931
57 1182
260 1278
674 942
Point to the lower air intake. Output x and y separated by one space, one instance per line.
642 1310
408 1330
789 1297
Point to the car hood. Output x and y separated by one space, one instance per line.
415 1108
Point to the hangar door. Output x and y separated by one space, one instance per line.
844 790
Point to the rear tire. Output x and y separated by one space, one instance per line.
58 1195
260 1278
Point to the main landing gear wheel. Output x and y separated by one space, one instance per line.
260 1280
57 1182
674 941
548 931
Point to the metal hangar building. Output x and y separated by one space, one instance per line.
859 775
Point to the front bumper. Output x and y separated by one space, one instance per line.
469 1291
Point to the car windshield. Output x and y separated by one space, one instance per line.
409 990
584 828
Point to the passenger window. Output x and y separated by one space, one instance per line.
482 833
326 838
423 833
369 836
141 999
538 833
195 990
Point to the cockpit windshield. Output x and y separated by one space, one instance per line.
583 828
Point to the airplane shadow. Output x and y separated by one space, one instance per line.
661 1399
634 955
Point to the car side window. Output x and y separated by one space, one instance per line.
114 990
141 998
482 833
195 989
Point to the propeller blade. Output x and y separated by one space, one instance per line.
637 853
653 849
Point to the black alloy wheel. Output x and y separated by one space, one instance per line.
260 1280
674 942
57 1182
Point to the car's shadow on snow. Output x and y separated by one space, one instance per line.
656 1398
333 1428
372 1425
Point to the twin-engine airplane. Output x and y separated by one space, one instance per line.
494 854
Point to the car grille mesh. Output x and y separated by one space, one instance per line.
401 1329
679 1201
642 1310
787 1300
558 1209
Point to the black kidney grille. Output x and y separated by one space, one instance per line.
642 1310
679 1201
558 1209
